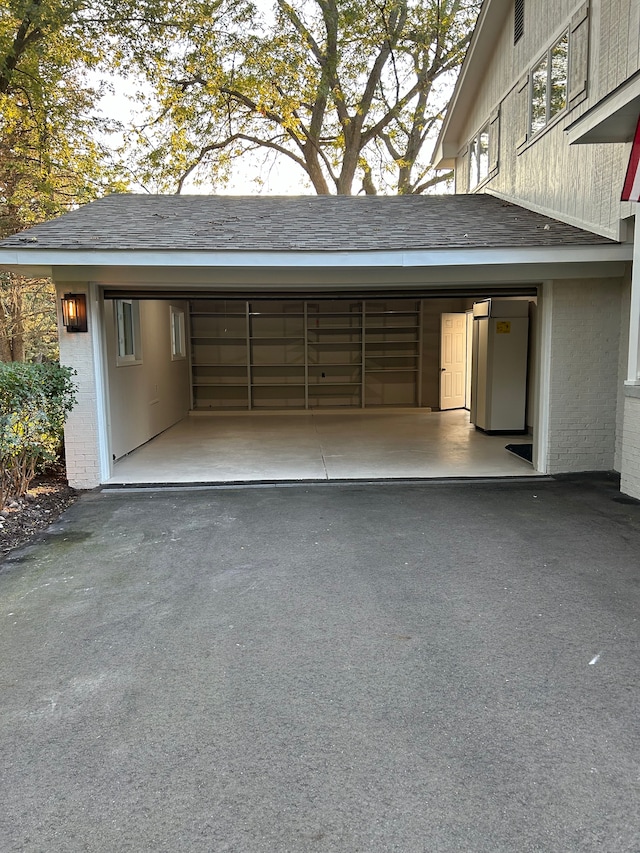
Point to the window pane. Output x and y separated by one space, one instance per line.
483 153
473 162
539 96
559 66
125 329
178 349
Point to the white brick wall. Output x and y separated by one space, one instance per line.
81 429
584 381
630 469
623 357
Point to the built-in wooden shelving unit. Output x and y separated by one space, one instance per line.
296 354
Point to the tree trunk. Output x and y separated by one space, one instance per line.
350 163
314 170
11 320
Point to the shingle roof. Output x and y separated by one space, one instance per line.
300 223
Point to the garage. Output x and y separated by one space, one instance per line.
226 337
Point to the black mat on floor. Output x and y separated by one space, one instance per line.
524 451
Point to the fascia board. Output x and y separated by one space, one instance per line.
22 260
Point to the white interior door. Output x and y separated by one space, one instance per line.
453 360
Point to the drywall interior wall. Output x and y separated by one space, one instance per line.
149 397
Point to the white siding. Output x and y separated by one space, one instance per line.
580 184
616 43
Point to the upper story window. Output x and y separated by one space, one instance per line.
549 84
479 157
518 20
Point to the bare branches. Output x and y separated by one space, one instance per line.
225 143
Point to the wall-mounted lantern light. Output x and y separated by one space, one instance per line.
74 312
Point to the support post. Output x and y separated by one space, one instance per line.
633 369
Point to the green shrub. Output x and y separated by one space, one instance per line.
35 400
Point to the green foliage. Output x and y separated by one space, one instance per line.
350 91
56 57
347 90
28 328
35 400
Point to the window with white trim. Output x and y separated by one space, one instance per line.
178 337
549 84
479 157
127 313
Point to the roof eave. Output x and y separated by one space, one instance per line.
44 262
612 119
479 52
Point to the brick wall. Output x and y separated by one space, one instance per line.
630 470
81 429
584 381
623 357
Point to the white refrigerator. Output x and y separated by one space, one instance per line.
499 365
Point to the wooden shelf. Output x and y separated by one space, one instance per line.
219 314
391 370
219 384
350 340
279 338
199 340
217 364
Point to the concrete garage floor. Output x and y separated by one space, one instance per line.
332 668
321 446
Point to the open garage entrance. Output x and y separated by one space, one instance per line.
208 389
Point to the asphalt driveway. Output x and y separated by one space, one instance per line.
390 667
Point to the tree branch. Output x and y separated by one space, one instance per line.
218 146
432 182
293 16
23 39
